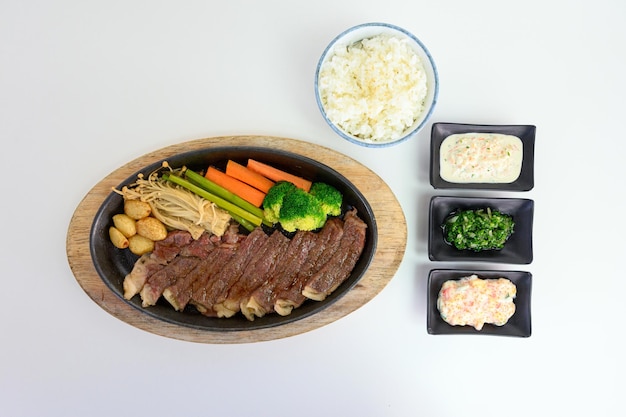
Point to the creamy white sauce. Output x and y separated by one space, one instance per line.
480 158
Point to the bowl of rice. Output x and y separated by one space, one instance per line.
376 85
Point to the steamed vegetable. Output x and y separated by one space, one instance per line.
218 191
301 211
296 209
329 197
276 174
218 201
477 230
251 178
235 186
274 200
174 206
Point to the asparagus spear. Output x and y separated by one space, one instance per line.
231 208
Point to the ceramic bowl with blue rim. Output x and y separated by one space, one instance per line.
376 85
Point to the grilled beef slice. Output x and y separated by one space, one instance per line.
230 272
342 262
167 249
256 274
260 267
261 301
164 252
144 267
200 248
198 290
325 245
157 282
179 293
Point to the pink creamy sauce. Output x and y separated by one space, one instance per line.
472 301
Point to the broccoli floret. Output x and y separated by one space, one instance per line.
329 197
301 211
274 200
296 209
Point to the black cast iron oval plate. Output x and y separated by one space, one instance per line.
113 264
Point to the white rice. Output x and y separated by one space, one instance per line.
374 89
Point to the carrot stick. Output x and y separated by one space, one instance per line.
250 177
276 174
241 189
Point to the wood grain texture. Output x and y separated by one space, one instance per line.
392 234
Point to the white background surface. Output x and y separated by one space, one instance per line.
88 86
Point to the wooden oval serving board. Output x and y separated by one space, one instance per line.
392 234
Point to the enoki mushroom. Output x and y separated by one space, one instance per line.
177 207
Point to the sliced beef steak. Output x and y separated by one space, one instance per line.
157 282
167 249
197 293
260 267
325 245
144 267
230 272
256 274
262 300
342 261
200 248
179 293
